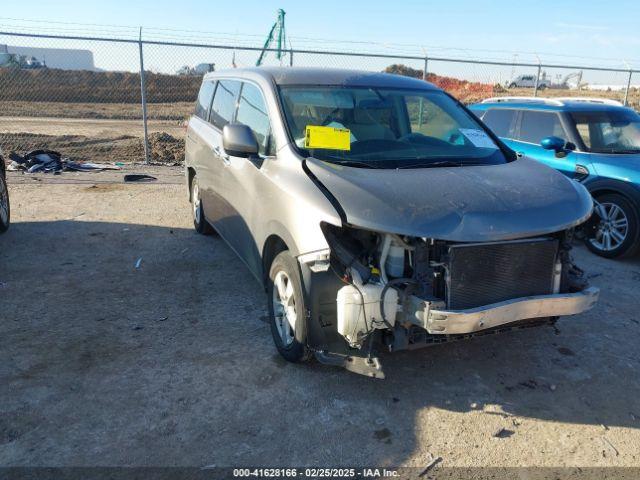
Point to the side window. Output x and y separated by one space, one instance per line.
224 102
501 121
204 99
535 126
585 132
252 112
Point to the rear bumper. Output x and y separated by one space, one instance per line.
450 322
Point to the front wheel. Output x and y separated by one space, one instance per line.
287 309
615 233
5 209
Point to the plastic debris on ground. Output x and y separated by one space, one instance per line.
50 161
139 177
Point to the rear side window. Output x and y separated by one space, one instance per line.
204 99
252 112
535 126
502 122
224 102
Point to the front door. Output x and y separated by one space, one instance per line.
217 207
243 179
533 126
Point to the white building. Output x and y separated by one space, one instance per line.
63 58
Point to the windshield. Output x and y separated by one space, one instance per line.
614 131
385 128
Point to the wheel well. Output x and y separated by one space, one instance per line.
632 199
191 173
606 191
272 247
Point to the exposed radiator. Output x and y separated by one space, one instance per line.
481 274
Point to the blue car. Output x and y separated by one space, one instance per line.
596 142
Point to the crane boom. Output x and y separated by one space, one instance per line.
276 30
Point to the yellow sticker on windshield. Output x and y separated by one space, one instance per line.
327 137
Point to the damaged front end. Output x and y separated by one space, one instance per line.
371 291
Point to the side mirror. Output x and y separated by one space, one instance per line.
238 140
553 143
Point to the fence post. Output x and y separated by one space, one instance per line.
143 94
535 91
626 92
424 70
291 57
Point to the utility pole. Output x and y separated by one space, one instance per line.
535 91
626 92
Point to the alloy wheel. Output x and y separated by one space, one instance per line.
284 307
613 228
195 195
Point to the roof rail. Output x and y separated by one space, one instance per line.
547 101
603 101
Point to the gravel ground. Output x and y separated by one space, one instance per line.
172 364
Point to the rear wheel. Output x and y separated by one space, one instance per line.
5 210
199 221
615 233
287 309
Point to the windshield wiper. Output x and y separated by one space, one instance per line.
352 163
632 151
614 151
443 163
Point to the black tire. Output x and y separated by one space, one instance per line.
295 351
197 211
594 238
5 207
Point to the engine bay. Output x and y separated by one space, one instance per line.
400 291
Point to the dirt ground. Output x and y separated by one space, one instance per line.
95 139
121 144
172 364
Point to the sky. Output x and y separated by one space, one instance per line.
574 32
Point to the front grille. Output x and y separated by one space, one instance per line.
481 274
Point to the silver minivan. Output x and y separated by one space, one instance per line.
379 213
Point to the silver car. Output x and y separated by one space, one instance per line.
378 212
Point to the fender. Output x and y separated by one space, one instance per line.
608 184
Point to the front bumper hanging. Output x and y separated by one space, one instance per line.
450 322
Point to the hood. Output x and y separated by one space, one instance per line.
463 204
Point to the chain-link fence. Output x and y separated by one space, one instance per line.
84 96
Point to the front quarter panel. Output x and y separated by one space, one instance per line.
292 206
